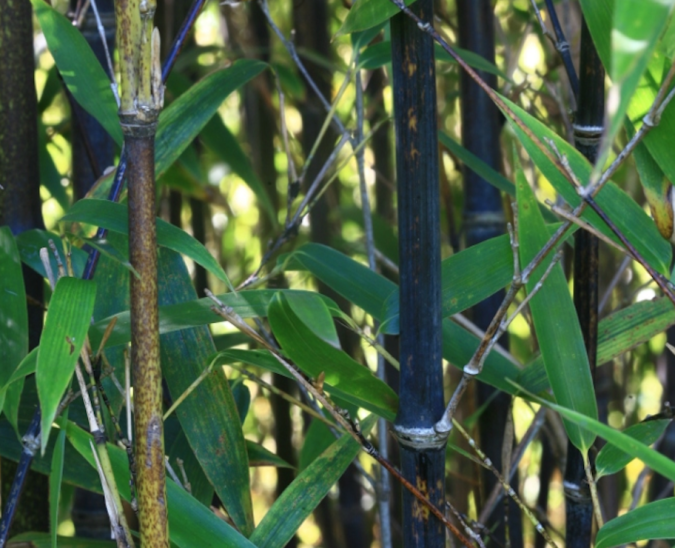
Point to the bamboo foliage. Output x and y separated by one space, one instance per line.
388 298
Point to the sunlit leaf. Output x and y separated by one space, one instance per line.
68 319
366 14
627 215
343 376
183 119
651 521
555 321
611 459
55 479
80 69
300 498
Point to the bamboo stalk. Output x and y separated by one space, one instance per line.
588 128
141 99
421 384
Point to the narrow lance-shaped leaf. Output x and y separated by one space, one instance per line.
651 521
366 14
343 376
113 216
182 121
635 30
628 216
192 524
80 69
13 312
298 501
68 320
55 478
611 459
555 321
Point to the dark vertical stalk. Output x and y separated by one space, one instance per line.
421 388
33 431
20 204
484 219
587 133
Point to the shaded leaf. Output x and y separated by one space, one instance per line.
192 524
55 478
31 241
115 217
208 416
13 311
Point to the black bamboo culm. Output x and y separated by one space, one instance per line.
563 47
587 134
20 204
421 386
33 431
484 219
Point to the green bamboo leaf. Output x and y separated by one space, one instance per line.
192 524
13 394
599 17
651 521
655 460
31 241
555 320
343 376
55 479
366 14
617 333
35 539
220 140
628 216
248 304
68 319
378 55
259 456
80 69
115 217
378 296
637 25
611 459
313 311
354 281
318 438
477 165
13 311
307 490
208 416
183 119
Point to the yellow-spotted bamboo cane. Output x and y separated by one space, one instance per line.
141 99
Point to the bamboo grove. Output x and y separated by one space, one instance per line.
337 273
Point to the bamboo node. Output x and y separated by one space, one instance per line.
420 438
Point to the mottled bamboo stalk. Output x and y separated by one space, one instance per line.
141 96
